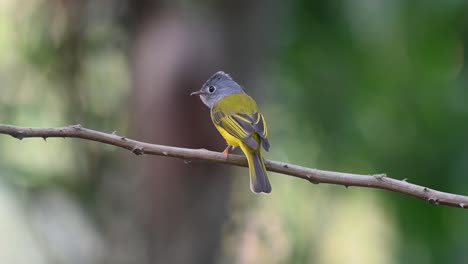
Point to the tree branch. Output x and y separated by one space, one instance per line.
379 181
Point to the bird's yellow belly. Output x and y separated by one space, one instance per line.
231 140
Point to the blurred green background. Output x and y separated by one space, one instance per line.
356 86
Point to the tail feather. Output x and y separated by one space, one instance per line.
258 178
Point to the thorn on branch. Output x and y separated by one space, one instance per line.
462 205
346 186
165 153
114 132
405 180
45 139
138 151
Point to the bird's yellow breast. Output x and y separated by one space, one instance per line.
231 140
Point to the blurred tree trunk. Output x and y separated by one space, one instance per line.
182 206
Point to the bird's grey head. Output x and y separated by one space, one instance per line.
217 87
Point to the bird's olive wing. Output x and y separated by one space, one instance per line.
243 126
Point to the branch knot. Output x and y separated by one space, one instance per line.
433 201
77 127
312 179
138 150
18 134
380 176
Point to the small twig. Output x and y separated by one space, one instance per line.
380 181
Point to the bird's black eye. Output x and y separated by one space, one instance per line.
211 89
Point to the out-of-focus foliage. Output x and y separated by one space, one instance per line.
381 86
358 86
56 73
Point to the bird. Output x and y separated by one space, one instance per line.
237 118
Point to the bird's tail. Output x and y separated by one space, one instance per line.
258 178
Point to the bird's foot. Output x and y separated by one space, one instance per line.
226 151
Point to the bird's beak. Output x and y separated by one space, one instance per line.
197 92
